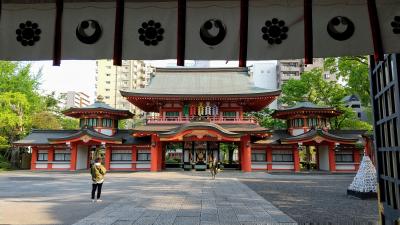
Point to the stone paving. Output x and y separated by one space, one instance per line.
316 199
134 198
194 200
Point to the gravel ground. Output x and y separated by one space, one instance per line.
316 199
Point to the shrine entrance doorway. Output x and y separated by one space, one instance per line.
198 154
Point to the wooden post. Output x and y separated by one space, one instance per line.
296 159
356 157
269 157
332 160
34 158
74 152
134 157
107 157
246 148
154 153
50 158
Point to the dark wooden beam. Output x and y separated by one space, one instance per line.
376 30
58 33
244 26
308 32
180 56
119 31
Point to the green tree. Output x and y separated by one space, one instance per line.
354 71
45 120
13 116
313 88
17 77
265 119
69 123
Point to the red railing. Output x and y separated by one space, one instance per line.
187 119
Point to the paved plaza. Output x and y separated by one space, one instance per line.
134 198
316 199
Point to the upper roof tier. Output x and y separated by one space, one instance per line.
98 108
306 108
201 84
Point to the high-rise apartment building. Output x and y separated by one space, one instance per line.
292 68
110 80
74 99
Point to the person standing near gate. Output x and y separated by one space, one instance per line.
213 168
98 172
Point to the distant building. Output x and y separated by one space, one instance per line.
293 68
110 80
264 75
74 99
352 101
289 69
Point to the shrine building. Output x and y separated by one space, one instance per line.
195 115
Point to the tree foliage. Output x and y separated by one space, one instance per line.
313 88
265 119
23 107
45 120
354 71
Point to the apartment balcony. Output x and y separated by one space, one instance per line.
291 68
211 119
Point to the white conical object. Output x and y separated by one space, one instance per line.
365 179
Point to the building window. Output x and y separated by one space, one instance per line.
108 82
355 106
42 155
143 155
108 67
107 122
312 122
92 122
62 155
121 155
258 156
82 122
107 89
297 123
107 74
172 114
229 114
282 156
359 115
107 97
344 156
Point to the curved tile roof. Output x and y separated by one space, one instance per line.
98 107
200 82
314 133
199 125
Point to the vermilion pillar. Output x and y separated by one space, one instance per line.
246 149
107 157
332 160
296 159
74 152
160 156
50 158
134 157
356 157
34 158
269 157
154 153
162 152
